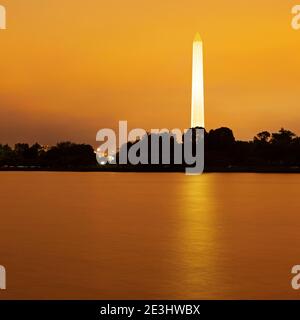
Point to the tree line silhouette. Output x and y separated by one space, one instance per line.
63 155
279 151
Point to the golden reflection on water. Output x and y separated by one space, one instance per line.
197 236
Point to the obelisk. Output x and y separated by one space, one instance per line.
197 117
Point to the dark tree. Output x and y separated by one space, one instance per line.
221 138
283 137
262 137
7 156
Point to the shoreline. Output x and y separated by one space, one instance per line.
142 169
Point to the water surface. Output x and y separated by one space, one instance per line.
136 235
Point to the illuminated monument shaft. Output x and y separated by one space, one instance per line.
197 84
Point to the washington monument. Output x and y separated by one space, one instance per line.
197 116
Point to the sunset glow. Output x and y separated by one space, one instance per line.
69 68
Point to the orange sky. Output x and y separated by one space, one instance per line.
71 67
